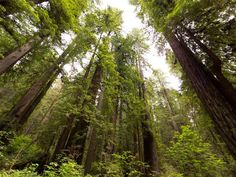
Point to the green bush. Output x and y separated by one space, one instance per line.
27 172
169 171
20 150
67 169
124 164
5 138
193 157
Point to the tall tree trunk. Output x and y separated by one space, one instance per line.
92 144
63 138
13 57
61 143
81 125
25 106
169 105
150 149
149 144
220 110
70 131
226 87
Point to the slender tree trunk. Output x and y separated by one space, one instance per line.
91 153
169 105
12 58
62 143
140 143
220 110
226 87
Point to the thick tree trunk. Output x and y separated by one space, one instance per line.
81 126
92 144
64 137
91 153
220 110
150 149
25 106
12 58
226 87
33 96
149 144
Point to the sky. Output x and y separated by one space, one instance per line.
130 21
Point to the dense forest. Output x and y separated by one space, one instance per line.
75 100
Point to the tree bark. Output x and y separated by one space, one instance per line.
92 144
25 106
226 87
70 131
149 147
81 125
149 144
12 58
220 110
78 124
63 138
169 105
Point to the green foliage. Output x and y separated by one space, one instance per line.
22 6
193 157
124 164
27 172
170 171
5 138
6 43
107 20
67 168
69 11
21 149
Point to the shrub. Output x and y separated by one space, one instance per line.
193 157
